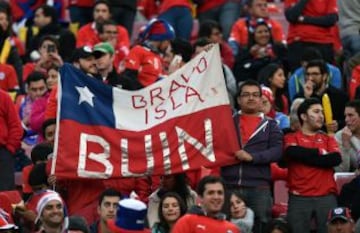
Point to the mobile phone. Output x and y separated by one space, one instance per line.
51 48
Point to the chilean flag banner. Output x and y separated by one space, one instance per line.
182 122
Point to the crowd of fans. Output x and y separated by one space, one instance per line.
275 81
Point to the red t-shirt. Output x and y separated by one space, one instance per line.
167 4
306 180
8 78
248 126
26 188
148 64
309 32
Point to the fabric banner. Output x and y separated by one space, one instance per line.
180 123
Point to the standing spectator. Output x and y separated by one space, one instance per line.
349 24
171 208
88 35
178 15
310 26
316 85
261 141
340 220
124 12
143 66
348 138
240 31
108 203
10 137
8 78
46 19
311 156
208 217
81 11
226 12
211 30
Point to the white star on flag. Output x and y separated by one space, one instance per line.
85 95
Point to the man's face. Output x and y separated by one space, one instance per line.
168 57
164 45
110 33
53 214
340 226
213 198
107 209
352 119
314 117
104 62
101 13
40 20
36 89
314 75
88 65
259 9
250 99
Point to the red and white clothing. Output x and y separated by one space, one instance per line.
8 78
306 180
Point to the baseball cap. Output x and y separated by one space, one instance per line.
339 213
82 52
103 47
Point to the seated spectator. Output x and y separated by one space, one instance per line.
12 48
348 138
48 130
106 209
139 72
46 56
78 224
297 79
273 76
241 30
349 195
177 54
261 51
316 85
278 225
108 32
211 30
241 215
36 88
46 19
8 78
89 34
52 76
171 208
169 183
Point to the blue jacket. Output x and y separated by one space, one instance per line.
265 146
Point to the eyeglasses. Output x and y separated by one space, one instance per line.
313 74
248 94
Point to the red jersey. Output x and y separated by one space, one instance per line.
354 81
208 5
306 180
147 62
87 35
308 32
82 3
248 125
8 78
240 31
26 188
192 223
167 4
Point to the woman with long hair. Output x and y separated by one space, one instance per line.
273 76
171 208
170 183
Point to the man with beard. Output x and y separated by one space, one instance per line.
51 213
89 34
143 65
316 85
108 203
260 141
311 156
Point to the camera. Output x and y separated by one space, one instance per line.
51 48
